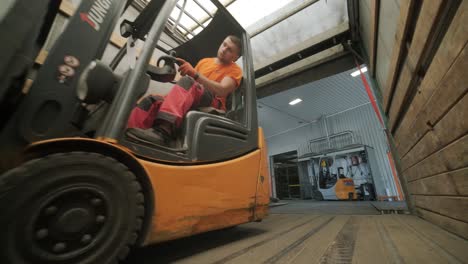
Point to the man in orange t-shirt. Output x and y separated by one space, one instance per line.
208 84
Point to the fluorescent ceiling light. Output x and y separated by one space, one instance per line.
295 101
356 73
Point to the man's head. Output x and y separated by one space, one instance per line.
230 50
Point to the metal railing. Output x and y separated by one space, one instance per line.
322 144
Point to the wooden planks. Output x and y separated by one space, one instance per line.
451 89
421 40
405 244
452 126
458 227
305 238
290 245
449 245
273 227
452 157
447 183
445 205
445 73
406 9
369 245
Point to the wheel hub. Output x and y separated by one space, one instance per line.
69 221
73 220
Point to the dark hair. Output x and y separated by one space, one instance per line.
237 41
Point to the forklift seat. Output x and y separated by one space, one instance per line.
233 102
211 110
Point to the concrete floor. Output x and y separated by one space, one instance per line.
316 232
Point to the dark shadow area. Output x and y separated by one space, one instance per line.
171 251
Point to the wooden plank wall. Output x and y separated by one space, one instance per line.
427 109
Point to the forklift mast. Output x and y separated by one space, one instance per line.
52 109
48 109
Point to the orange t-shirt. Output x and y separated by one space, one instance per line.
216 72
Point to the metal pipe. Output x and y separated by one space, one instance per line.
292 12
333 135
211 16
204 9
190 16
163 49
182 26
118 57
116 120
139 5
326 131
180 15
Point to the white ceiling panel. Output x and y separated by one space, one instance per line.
324 97
274 121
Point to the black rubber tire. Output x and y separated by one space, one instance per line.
72 184
317 195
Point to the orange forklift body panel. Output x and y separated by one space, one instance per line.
200 198
191 199
345 187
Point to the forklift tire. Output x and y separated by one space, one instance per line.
76 207
317 195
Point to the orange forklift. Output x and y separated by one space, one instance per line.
73 187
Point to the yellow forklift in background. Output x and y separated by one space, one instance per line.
73 187
334 185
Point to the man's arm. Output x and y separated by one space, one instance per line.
223 88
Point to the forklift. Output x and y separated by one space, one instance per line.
334 185
73 187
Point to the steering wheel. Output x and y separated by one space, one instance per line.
164 72
168 61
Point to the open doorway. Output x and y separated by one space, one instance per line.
286 175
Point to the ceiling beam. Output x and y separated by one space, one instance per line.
340 64
281 17
304 49
209 16
299 66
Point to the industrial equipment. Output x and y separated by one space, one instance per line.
74 188
345 174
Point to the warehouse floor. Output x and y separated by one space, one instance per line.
316 232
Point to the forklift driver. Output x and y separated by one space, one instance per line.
155 119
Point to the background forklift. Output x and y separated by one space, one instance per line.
73 188
334 185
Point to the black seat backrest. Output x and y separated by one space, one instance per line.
235 104
234 99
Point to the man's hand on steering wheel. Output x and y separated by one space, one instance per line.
185 68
